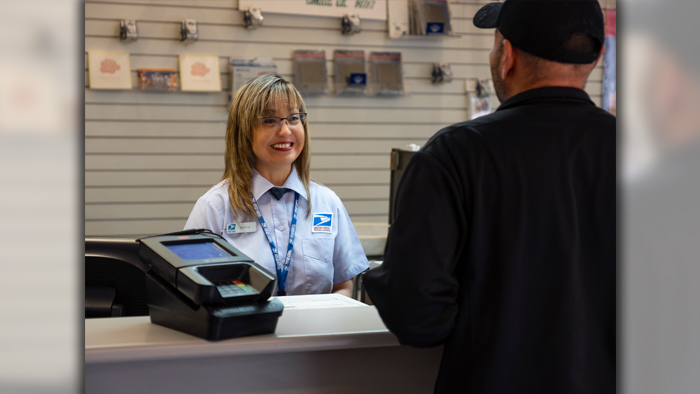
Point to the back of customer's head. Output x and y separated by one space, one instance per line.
542 43
247 106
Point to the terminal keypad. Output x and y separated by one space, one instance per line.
234 289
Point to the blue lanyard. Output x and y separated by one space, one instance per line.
283 266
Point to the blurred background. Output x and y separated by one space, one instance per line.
42 195
659 112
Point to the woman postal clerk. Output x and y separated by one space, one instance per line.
267 206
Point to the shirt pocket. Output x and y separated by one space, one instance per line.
318 264
318 249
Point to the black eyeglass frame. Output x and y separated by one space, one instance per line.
302 118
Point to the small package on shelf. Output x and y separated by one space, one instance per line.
398 14
310 74
350 74
243 71
157 79
431 17
387 73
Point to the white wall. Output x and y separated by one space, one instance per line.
149 156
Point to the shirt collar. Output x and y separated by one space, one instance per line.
547 93
262 185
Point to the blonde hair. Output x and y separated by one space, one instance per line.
246 109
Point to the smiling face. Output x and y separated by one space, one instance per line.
276 147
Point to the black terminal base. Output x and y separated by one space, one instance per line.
167 307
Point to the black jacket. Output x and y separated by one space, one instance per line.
503 249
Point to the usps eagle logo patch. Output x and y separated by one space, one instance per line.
323 222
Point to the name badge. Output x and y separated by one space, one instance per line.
323 222
235 228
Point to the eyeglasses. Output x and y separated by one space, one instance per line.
274 122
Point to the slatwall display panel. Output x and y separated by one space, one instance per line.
150 155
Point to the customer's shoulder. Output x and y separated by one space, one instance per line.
474 128
463 134
604 116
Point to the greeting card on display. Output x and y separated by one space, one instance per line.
109 70
200 73
157 79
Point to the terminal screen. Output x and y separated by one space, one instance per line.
198 250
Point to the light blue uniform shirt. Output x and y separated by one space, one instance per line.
319 260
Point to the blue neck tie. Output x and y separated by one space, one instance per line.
278 192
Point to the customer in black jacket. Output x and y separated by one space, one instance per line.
503 241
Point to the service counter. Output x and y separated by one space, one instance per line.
322 344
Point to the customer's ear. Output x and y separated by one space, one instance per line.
507 59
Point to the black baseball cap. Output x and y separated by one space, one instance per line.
541 27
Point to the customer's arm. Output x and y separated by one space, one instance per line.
415 288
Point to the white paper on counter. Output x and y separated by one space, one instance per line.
317 301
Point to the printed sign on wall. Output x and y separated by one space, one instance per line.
243 71
610 62
200 73
109 70
366 9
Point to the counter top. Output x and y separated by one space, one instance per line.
308 323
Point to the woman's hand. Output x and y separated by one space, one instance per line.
344 288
